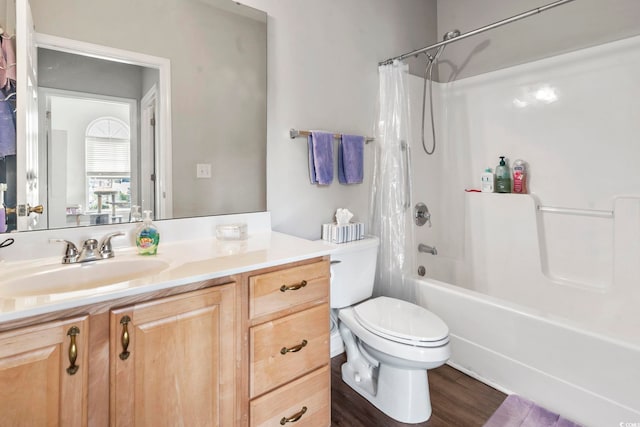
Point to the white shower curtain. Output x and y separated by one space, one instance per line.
391 218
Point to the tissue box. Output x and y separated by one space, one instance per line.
343 233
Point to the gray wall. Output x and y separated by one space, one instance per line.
61 70
572 26
323 74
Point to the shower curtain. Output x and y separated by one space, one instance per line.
390 210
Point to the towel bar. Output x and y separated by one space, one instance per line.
573 211
294 133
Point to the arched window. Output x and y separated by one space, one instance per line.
108 162
108 148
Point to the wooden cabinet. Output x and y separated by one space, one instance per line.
173 360
289 376
249 349
44 374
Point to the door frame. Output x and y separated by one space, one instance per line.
148 149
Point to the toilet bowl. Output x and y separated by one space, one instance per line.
390 343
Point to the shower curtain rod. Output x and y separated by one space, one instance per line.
478 31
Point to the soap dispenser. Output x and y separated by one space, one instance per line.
135 216
147 237
503 177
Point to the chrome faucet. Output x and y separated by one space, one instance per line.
427 249
71 253
88 252
106 251
91 251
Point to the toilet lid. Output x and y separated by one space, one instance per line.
401 321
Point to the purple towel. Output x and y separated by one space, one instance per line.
321 158
7 127
351 159
516 411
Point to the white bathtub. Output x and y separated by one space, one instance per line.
589 378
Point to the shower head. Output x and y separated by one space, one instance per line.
451 34
447 36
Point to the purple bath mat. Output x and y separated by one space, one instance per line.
517 411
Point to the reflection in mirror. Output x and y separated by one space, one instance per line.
95 169
217 113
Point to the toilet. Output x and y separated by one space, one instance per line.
390 343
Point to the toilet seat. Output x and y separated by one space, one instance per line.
402 322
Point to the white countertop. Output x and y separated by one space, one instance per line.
186 262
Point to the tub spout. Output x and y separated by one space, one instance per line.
427 249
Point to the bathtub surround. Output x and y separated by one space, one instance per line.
545 282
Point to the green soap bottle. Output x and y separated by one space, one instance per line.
503 177
148 237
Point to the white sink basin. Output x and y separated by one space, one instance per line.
58 279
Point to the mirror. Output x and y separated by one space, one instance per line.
211 159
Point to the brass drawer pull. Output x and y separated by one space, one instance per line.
73 350
285 288
294 417
125 337
294 349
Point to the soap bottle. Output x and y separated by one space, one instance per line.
135 214
487 181
503 177
519 177
147 237
3 212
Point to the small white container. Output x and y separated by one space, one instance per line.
487 181
232 231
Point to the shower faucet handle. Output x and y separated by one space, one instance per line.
422 215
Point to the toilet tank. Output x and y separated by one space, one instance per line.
353 269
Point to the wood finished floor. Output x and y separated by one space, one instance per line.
456 400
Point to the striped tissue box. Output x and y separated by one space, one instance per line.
344 233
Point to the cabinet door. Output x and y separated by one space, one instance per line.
173 360
43 374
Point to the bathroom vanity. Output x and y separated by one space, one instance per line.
235 335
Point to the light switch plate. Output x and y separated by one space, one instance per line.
203 170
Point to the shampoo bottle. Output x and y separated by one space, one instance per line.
487 181
503 177
519 176
148 237
3 212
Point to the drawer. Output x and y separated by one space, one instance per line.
282 289
305 334
309 397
